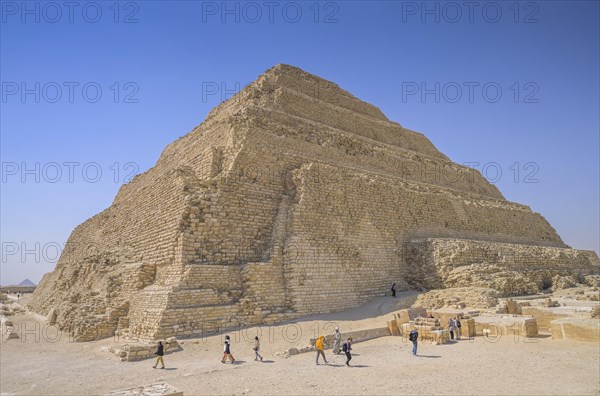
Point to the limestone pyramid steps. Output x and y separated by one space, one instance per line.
304 83
270 84
395 155
410 184
273 119
290 96
363 152
454 178
297 105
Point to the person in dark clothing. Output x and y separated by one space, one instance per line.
451 328
257 349
457 326
394 290
347 347
414 337
160 352
227 351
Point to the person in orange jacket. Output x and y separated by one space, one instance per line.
319 346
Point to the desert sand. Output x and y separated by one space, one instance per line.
51 365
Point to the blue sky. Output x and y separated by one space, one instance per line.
115 85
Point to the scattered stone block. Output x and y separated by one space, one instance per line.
293 351
156 389
393 328
52 317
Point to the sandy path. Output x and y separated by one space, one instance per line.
382 366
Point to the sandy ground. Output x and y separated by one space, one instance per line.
48 365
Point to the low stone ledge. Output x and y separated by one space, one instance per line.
577 329
142 351
505 325
357 336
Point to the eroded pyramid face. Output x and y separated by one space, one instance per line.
291 198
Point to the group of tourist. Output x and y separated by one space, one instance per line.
454 326
227 350
337 347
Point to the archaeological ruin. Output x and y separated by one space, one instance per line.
294 197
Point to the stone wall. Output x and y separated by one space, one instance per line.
512 269
357 336
577 329
351 231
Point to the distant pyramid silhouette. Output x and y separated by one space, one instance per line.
26 282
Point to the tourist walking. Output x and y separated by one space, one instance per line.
394 290
257 349
347 347
414 337
319 346
457 326
160 352
227 351
451 328
337 341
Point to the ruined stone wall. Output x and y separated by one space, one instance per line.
512 269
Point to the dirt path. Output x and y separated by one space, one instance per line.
51 366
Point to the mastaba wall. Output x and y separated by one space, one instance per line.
293 197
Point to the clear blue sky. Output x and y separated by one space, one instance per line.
544 56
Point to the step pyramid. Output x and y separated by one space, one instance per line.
293 197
